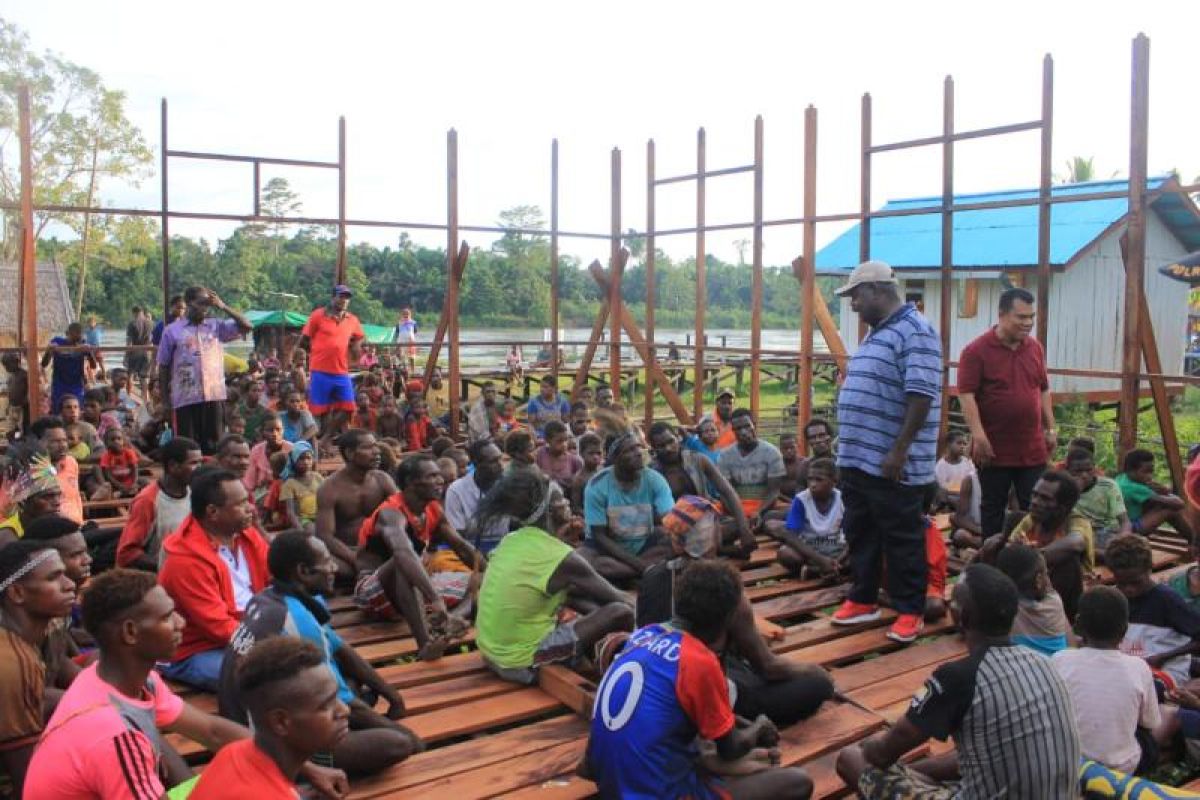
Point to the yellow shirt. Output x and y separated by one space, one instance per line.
1076 523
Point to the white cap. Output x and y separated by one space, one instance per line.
868 272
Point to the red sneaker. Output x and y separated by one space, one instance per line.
852 613
906 628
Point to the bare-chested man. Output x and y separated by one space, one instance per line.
392 582
688 472
349 496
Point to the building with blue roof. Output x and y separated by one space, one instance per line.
994 248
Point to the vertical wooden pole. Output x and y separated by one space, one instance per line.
554 343
614 285
701 280
29 259
648 413
1047 177
341 243
864 194
756 287
947 271
1135 266
165 220
257 206
451 283
808 280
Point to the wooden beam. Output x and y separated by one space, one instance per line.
809 297
648 260
589 352
970 302
1047 177
825 320
947 266
568 687
617 267
554 289
756 286
29 260
452 290
458 266
864 193
701 280
1135 262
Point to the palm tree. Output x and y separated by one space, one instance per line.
1079 170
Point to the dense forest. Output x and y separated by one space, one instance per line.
505 284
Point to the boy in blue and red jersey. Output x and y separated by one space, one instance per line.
665 689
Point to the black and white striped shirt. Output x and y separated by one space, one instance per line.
1011 718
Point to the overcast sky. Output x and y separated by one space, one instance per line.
272 78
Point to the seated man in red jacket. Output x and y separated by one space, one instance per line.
159 508
212 566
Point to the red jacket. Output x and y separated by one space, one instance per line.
199 583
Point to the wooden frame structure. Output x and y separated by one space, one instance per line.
1138 335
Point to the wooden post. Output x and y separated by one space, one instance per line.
165 220
1135 265
554 344
439 336
1047 177
756 287
947 271
451 284
616 271
808 281
341 242
648 412
864 194
701 280
29 259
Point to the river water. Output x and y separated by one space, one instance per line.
492 348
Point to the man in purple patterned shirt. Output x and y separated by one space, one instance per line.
191 365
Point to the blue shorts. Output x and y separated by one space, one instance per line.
329 392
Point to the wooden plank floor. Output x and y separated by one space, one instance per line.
489 738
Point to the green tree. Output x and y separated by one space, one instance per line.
79 133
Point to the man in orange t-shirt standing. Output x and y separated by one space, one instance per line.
333 336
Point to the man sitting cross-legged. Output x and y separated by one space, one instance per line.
349 496
297 712
623 506
390 544
213 565
786 690
665 689
105 738
1005 706
301 572
160 508
754 468
531 575
689 473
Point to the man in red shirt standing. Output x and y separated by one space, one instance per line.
333 337
1005 396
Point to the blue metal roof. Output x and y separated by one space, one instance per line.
1004 238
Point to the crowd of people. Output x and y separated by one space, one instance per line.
562 533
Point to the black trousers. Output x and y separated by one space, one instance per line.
203 423
884 522
994 485
785 702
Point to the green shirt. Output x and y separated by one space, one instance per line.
1102 504
515 610
1135 494
1181 586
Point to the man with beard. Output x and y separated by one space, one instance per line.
481 419
722 417
463 496
349 496
689 473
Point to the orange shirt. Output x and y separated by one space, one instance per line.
68 481
725 435
330 339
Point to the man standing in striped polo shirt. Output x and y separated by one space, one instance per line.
888 413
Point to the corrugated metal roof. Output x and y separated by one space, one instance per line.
1004 238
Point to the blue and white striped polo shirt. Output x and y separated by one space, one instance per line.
901 355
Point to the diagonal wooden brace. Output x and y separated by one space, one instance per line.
456 274
825 321
639 343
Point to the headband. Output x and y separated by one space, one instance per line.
615 446
28 567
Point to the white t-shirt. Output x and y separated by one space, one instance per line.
1112 694
950 476
239 572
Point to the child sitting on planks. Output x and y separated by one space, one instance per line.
953 467
812 539
1113 695
1149 503
1041 623
1100 499
1163 630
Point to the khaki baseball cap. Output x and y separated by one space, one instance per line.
868 272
